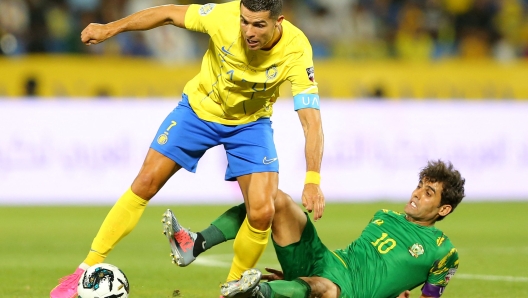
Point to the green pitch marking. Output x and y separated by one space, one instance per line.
492 277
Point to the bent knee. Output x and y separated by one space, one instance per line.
146 185
261 217
282 200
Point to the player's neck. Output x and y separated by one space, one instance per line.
277 34
420 222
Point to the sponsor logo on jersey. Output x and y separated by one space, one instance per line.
416 250
311 73
271 72
206 9
226 51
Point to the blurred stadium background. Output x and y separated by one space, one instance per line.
470 49
401 82
389 71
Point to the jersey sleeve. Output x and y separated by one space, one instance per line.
440 274
302 79
206 18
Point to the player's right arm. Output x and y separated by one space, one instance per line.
142 20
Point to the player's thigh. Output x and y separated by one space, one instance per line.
289 220
154 173
184 138
304 257
259 189
250 149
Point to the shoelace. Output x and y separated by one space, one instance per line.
184 240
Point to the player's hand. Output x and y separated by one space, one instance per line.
405 294
313 200
95 33
274 275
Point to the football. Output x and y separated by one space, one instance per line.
103 281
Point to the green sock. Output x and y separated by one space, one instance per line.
212 236
265 289
296 288
229 223
224 228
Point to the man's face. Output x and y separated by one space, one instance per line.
258 29
424 205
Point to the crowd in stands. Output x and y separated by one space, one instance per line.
356 29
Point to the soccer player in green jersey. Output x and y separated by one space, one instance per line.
396 252
252 51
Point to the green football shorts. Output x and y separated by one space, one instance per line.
310 257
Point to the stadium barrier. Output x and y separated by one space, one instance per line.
88 152
89 76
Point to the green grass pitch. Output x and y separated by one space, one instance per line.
38 245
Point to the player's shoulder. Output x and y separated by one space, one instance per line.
231 5
295 36
218 9
443 241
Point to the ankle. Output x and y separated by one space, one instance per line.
199 245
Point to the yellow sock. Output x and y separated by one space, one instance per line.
121 219
248 247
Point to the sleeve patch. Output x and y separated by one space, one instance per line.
206 9
311 73
449 275
304 101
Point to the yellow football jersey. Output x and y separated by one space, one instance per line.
237 85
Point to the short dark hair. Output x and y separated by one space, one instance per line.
273 6
452 182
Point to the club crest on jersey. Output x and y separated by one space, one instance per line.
416 250
311 73
206 9
271 72
163 138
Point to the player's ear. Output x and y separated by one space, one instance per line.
445 210
279 20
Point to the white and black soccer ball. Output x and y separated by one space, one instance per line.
103 281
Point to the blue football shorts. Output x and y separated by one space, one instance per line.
184 138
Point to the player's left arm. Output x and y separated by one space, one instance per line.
312 197
440 274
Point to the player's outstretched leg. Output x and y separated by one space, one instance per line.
181 240
67 287
245 287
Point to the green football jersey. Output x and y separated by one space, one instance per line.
393 255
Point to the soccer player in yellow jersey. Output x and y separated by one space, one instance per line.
252 51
